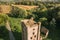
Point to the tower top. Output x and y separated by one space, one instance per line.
30 22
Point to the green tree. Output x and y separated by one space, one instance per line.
18 12
4 18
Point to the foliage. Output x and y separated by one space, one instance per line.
15 24
3 18
47 13
4 33
3 30
17 13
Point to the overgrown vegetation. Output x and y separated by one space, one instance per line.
17 13
3 30
47 14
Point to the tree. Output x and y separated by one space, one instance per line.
5 18
17 12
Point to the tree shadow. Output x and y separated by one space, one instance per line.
17 35
4 35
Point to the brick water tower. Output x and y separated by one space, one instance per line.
30 29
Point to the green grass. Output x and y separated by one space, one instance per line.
15 24
16 27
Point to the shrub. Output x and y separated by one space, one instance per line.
18 12
3 31
15 24
3 18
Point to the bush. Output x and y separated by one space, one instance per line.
18 12
3 31
3 18
4 35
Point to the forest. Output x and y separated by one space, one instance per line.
48 13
